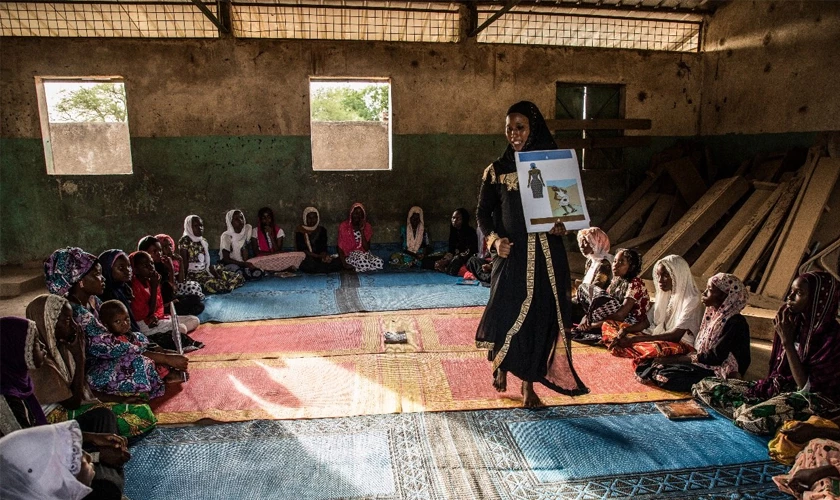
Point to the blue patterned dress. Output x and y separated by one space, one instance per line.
116 365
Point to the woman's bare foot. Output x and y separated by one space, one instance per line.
500 381
529 396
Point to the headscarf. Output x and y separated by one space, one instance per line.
600 244
680 307
176 265
238 240
818 343
346 241
715 318
54 379
539 138
204 259
66 267
42 462
304 229
464 239
114 289
414 238
17 343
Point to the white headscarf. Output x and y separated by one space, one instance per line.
307 211
204 259
414 239
42 462
237 240
679 308
599 242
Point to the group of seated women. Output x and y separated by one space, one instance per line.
688 342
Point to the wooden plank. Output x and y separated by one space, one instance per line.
659 214
630 217
642 238
719 255
768 230
767 170
699 218
637 193
763 302
633 141
599 124
769 186
796 236
689 183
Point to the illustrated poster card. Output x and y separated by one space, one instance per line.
550 188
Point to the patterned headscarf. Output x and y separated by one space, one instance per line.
679 307
163 238
17 338
714 319
600 244
414 238
43 462
818 343
539 138
66 267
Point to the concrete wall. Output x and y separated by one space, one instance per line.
350 146
771 67
224 123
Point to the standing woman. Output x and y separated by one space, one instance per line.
354 236
523 321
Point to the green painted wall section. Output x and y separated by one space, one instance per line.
174 177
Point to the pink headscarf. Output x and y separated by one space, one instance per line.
714 319
346 241
600 244
176 265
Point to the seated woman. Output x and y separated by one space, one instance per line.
463 244
116 269
676 317
594 244
816 472
196 256
354 236
723 342
20 408
311 239
147 307
47 463
415 242
623 308
267 246
60 384
804 376
190 302
234 246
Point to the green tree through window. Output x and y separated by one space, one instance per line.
103 102
368 103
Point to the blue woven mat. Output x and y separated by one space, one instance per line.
322 295
582 452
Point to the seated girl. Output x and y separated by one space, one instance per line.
233 247
186 303
60 384
676 317
624 306
47 463
169 255
116 269
147 307
21 408
196 256
595 246
267 246
723 342
463 244
415 242
311 239
354 236
804 376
